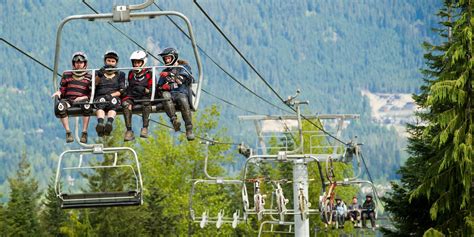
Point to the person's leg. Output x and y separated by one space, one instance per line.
182 100
170 110
372 219
364 218
100 122
65 123
110 120
146 119
85 126
127 115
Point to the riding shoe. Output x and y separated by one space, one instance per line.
129 136
108 128
100 129
84 137
176 125
69 137
144 133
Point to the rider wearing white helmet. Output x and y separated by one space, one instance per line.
139 87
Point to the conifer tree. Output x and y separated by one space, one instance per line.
52 216
450 102
114 221
21 210
437 178
3 224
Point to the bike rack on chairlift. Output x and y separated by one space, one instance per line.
99 199
300 159
220 219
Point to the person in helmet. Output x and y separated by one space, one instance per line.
354 212
174 83
139 87
110 85
74 87
368 211
341 212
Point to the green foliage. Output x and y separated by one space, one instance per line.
433 233
3 222
411 215
450 99
332 49
21 211
437 178
52 217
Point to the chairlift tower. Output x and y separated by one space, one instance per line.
299 158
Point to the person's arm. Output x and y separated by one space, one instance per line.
62 87
149 84
185 75
122 88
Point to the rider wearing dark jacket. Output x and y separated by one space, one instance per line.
110 85
174 84
368 211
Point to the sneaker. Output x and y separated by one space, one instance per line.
100 129
176 125
108 128
69 137
189 134
84 137
144 133
129 136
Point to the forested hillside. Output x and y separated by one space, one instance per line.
330 49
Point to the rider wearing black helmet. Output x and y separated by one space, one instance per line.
110 85
368 211
174 84
74 87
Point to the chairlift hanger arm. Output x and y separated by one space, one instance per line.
141 5
138 15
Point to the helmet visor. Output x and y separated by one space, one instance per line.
79 58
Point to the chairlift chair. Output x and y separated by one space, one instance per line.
130 197
122 14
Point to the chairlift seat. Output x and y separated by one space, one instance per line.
156 107
100 199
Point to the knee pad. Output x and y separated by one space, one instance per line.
86 109
60 109
126 103
101 103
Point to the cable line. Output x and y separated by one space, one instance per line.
27 54
229 103
222 69
121 32
260 76
143 48
162 124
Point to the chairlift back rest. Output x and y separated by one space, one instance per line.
105 199
79 110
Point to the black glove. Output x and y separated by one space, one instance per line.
100 72
108 97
